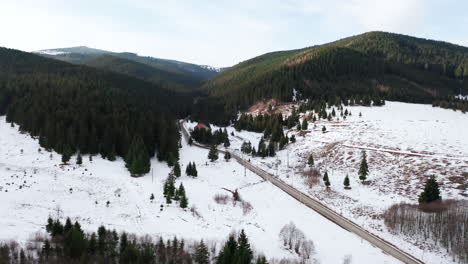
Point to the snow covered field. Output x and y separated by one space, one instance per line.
405 144
33 186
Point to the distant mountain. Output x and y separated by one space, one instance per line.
170 80
182 75
79 50
395 66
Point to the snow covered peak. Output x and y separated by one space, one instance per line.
211 68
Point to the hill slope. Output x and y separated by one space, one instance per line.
187 73
396 66
169 80
78 108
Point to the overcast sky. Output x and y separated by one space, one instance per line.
220 32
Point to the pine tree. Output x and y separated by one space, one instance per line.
283 142
227 156
202 255
431 191
298 127
310 161
176 169
228 252
226 142
188 169
261 260
152 197
346 181
271 149
363 168
79 159
183 196
169 188
66 157
213 154
326 180
305 125
68 225
194 170
324 129
137 160
262 152
244 253
183 202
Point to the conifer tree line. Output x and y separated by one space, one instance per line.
69 243
355 66
452 103
73 109
205 136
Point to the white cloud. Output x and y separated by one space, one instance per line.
218 33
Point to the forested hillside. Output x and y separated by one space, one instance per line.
176 75
169 80
75 108
395 66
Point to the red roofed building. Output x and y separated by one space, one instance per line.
201 125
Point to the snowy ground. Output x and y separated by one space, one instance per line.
33 186
405 143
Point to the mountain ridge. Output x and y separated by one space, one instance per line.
395 66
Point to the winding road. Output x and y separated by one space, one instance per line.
320 208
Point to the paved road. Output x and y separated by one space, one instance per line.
317 206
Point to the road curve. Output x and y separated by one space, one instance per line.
320 208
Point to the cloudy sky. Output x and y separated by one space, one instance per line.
220 32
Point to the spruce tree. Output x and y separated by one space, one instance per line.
194 170
66 155
244 253
261 151
261 260
228 252
271 149
324 129
176 169
183 202
226 142
183 196
283 142
346 181
326 180
169 188
305 125
310 161
137 160
227 156
213 154
298 127
188 169
79 159
431 191
363 168
202 255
